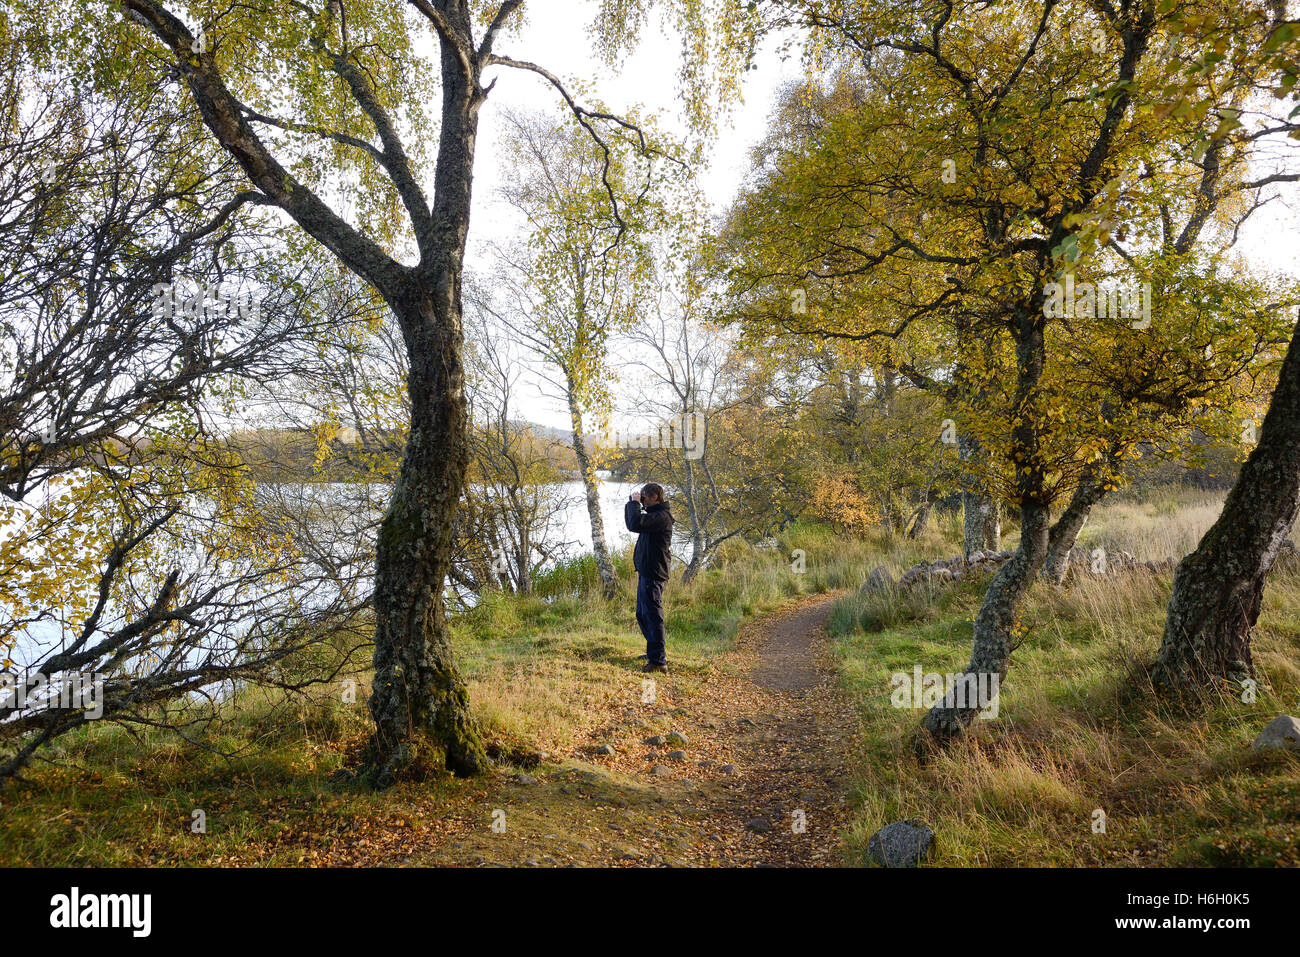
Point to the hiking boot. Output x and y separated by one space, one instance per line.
654 667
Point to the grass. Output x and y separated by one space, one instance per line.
1078 729
539 668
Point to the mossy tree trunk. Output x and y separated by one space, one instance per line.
419 703
1219 587
995 621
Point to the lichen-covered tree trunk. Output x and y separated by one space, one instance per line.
991 510
981 521
971 524
591 490
419 702
1219 587
995 621
1065 532
991 644
981 514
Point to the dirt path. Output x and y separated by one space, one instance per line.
760 779
786 650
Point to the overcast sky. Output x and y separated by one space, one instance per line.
558 40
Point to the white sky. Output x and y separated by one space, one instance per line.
558 40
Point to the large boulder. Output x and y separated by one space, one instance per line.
901 844
946 570
878 581
1282 732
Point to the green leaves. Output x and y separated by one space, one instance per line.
1067 249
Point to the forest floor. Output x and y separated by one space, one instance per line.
760 779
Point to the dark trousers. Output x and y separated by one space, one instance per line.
650 616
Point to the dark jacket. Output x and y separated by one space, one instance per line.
654 526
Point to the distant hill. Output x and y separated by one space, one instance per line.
290 454
549 433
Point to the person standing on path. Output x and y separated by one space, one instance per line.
651 557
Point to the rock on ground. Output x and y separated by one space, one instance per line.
1282 732
879 580
901 844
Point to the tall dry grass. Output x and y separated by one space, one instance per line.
1079 729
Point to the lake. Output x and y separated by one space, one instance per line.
346 527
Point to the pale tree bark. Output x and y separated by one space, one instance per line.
981 513
698 548
690 494
591 490
991 510
1065 532
1219 587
